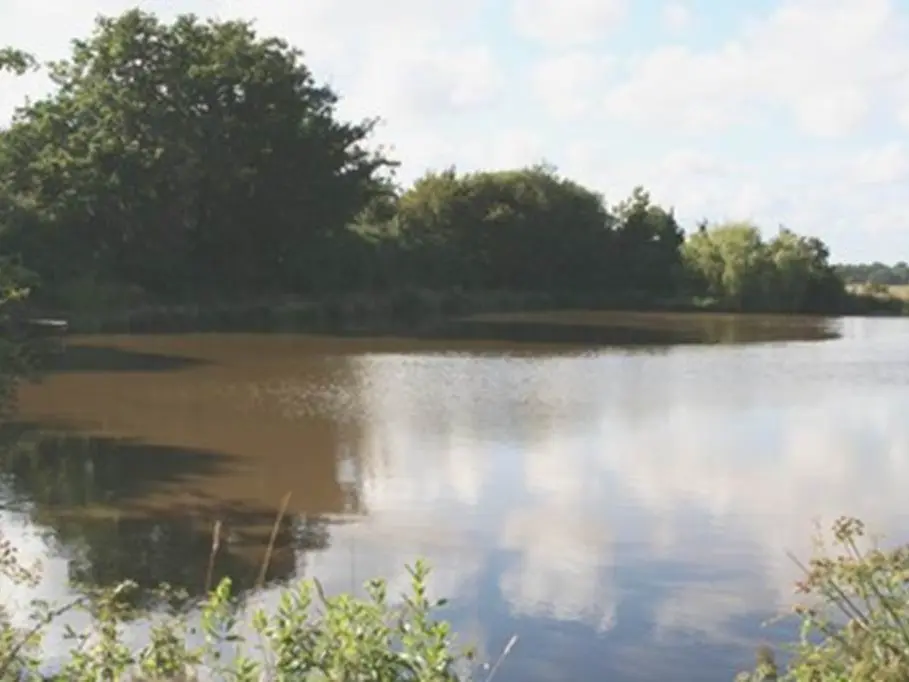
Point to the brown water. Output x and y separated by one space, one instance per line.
625 509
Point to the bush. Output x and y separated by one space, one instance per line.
855 616
310 636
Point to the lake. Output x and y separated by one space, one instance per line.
618 492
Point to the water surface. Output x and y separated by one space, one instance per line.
625 509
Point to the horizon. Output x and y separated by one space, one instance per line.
792 112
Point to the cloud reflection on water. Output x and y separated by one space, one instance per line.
593 504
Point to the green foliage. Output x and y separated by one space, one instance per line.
196 162
647 241
14 281
855 617
16 61
531 230
875 274
183 158
14 287
308 636
361 639
790 273
17 648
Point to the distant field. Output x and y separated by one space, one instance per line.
900 291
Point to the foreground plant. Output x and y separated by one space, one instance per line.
309 636
855 614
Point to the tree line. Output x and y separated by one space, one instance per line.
196 160
875 274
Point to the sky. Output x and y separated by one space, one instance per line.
792 112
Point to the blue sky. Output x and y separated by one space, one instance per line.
793 111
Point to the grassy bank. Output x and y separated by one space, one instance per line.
854 616
369 311
373 311
381 311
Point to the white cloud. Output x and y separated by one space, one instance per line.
567 23
682 162
403 60
696 183
883 222
903 115
414 84
510 149
832 113
823 62
563 567
676 16
707 609
324 29
674 86
566 84
886 164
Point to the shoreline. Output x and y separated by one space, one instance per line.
402 310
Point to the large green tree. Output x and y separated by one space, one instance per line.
12 275
533 230
526 229
730 261
14 279
188 158
647 242
733 264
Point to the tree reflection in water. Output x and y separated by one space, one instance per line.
94 498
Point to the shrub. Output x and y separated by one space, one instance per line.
309 636
854 616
